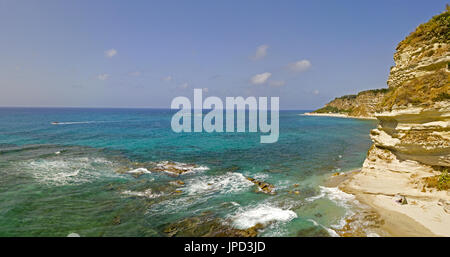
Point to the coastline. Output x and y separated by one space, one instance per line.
422 217
337 115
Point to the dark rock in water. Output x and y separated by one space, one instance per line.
313 232
175 169
263 186
233 168
116 220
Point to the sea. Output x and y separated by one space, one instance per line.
110 172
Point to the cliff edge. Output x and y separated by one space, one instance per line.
407 168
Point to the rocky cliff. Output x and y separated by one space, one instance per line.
411 151
364 104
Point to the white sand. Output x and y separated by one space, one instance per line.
337 115
422 216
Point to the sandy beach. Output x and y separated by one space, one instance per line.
425 214
337 115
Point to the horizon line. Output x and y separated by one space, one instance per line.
122 107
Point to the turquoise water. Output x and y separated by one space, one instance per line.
73 177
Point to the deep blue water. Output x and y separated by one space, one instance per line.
72 177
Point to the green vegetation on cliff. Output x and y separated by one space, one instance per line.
441 182
436 30
331 109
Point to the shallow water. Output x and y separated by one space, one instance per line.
74 177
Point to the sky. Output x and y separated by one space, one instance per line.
145 53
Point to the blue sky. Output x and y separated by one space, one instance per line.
145 53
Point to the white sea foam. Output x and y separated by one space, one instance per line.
199 190
263 213
147 193
235 204
79 122
334 194
139 171
62 171
168 167
230 182
340 198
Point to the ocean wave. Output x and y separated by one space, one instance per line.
336 195
79 122
340 198
230 182
330 231
201 189
263 213
63 171
139 171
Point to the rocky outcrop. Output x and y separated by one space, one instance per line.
414 117
263 186
412 141
416 133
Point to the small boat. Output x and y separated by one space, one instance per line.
55 123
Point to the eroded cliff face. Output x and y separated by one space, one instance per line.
411 145
414 122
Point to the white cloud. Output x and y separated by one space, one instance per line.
168 78
261 52
135 73
300 66
103 76
277 83
110 53
260 78
316 92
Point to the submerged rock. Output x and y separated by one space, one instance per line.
208 226
171 168
177 168
116 220
177 183
263 186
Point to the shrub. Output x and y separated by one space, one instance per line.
444 181
440 182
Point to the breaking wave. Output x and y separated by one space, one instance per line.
64 171
227 183
263 213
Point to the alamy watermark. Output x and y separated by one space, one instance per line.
257 115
